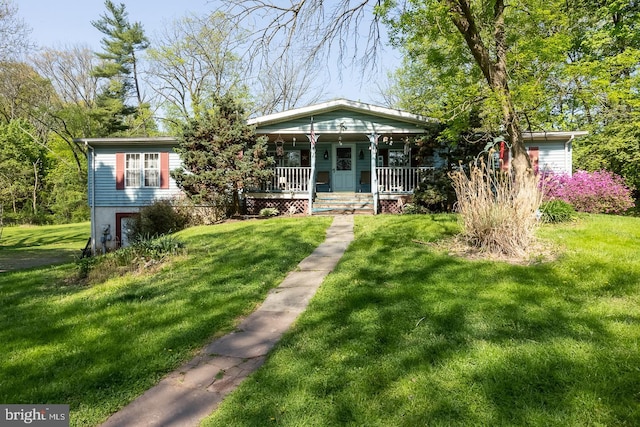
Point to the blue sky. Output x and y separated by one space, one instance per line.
59 23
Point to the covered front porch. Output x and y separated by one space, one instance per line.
341 147
390 180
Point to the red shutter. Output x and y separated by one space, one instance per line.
164 170
119 171
504 156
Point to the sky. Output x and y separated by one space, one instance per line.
60 23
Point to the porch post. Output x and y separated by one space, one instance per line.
373 139
312 179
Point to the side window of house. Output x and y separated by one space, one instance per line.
398 159
142 170
132 170
290 158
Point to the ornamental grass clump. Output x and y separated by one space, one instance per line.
497 215
592 192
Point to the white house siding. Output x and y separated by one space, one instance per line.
553 156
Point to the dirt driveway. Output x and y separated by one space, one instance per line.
19 260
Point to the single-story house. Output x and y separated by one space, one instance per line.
338 155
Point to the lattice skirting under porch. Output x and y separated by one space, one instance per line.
285 206
393 206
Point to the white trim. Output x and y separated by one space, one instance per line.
340 104
552 135
164 140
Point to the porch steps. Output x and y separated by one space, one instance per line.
343 204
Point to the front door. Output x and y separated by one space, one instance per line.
344 167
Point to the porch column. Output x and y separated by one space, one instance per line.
373 139
312 179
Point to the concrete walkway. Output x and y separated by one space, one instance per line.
193 391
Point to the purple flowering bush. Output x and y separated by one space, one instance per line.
593 192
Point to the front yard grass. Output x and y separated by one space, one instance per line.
404 335
97 348
28 246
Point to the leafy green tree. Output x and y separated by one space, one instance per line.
572 65
606 75
221 156
22 164
119 66
66 189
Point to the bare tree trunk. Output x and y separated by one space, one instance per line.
495 72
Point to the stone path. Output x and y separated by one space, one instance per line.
194 390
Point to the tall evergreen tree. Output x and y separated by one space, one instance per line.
120 66
221 156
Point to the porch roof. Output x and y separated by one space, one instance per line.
342 116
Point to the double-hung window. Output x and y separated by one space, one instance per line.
132 170
151 170
398 159
142 170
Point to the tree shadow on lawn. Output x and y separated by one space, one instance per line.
95 347
30 258
400 335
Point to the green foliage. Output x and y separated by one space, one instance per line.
614 148
438 60
266 212
66 195
119 66
452 148
84 266
571 65
140 254
555 211
157 219
413 209
22 165
221 155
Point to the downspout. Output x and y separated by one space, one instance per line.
92 177
567 155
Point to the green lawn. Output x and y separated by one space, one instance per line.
97 348
404 335
27 246
400 334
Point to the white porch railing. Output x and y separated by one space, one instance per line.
295 179
400 180
390 180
